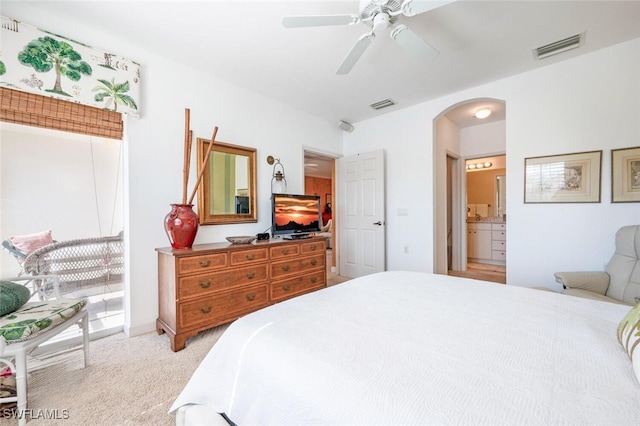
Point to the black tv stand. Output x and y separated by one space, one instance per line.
295 236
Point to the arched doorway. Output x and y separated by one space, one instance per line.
458 135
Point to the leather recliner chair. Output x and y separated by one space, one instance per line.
620 282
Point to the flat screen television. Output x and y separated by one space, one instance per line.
295 214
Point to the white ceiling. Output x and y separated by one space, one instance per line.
244 42
317 165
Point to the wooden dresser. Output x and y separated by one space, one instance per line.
212 284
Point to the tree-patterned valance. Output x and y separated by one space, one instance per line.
34 60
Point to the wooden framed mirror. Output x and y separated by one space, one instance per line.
227 192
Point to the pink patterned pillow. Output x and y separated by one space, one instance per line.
31 242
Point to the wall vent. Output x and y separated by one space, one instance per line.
559 46
382 104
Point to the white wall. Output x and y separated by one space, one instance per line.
47 182
404 136
483 139
586 103
154 149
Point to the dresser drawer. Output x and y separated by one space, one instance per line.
202 263
479 226
299 264
312 247
284 251
498 255
498 235
499 226
216 283
281 290
223 306
197 285
499 245
246 257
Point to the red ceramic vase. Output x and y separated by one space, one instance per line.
181 224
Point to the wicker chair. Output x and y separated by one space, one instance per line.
23 330
79 263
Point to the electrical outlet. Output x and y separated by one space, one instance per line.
406 249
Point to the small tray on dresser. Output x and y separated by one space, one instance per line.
243 239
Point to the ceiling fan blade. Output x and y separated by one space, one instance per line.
412 43
356 52
319 21
415 7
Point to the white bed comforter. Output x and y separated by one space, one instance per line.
415 348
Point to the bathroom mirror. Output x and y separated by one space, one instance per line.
501 195
227 192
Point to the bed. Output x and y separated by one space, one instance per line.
418 348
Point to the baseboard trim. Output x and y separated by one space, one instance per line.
138 330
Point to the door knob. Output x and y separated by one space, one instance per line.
379 223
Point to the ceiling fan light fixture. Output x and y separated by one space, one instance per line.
483 113
378 15
380 22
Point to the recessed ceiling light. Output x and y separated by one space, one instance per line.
311 165
483 113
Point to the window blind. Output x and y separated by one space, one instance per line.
31 109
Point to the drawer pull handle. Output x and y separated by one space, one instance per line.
313 247
286 287
314 279
251 296
314 261
205 309
205 284
250 256
251 274
285 267
204 263
285 251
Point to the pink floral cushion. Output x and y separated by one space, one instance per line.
31 242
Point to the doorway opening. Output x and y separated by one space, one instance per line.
458 137
486 218
319 179
70 184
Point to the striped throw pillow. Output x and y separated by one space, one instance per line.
629 337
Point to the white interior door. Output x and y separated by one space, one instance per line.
361 224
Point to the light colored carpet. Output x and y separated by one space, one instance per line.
129 381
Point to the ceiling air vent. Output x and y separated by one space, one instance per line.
559 46
382 104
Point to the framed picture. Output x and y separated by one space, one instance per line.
625 175
567 178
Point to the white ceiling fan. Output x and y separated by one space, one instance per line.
378 15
